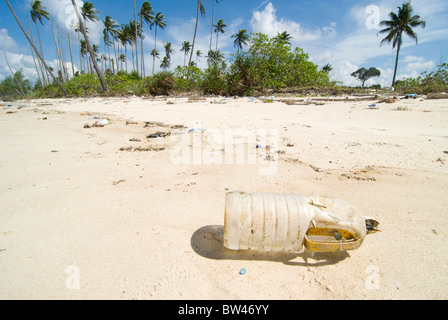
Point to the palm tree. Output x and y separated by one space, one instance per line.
283 37
110 30
200 9
215 57
198 55
35 49
168 50
165 63
400 23
91 13
241 39
159 21
133 40
125 37
219 28
327 68
186 48
38 12
213 17
146 14
136 34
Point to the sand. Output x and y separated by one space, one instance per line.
82 219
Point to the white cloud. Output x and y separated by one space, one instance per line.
266 22
6 42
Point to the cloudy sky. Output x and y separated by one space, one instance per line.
343 33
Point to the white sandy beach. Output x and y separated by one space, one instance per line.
132 224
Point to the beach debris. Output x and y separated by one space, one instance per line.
243 271
101 123
445 152
196 130
388 100
11 112
131 122
432 96
158 134
340 227
118 182
142 149
373 106
134 140
316 168
290 145
441 161
54 151
151 124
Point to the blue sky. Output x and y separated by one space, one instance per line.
342 32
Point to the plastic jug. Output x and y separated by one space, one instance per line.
292 222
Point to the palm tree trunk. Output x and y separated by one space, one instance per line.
38 70
396 61
71 55
126 55
21 93
57 50
195 32
136 37
141 45
89 48
35 49
41 51
115 53
211 32
155 48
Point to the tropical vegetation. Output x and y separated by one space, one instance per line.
260 63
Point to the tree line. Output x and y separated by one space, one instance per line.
120 40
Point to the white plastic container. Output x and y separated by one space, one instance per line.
291 222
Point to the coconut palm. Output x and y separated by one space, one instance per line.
200 9
165 63
133 41
146 14
125 38
327 68
38 13
186 48
284 37
136 34
399 23
215 57
241 39
168 50
158 21
198 55
35 49
213 22
110 31
219 28
90 13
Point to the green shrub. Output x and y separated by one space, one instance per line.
160 84
188 78
83 86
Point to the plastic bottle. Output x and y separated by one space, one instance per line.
291 222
